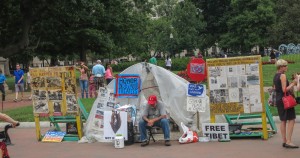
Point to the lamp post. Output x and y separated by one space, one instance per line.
171 39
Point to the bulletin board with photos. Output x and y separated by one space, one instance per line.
54 91
235 85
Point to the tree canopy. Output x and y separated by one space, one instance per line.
72 29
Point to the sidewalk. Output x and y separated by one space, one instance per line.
26 146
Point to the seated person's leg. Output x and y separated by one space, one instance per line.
164 124
142 128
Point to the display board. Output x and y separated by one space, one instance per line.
127 86
54 91
235 85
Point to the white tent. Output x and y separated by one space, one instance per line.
169 88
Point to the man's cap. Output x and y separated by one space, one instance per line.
98 61
152 100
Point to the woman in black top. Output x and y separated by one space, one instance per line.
287 117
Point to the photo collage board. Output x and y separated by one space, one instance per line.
235 85
54 91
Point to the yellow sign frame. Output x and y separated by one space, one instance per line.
235 107
65 78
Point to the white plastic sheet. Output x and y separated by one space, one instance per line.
169 88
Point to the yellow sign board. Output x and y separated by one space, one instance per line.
235 85
54 91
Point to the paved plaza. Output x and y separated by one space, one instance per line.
26 146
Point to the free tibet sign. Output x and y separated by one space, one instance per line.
216 131
196 70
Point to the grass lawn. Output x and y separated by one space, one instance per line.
270 69
26 113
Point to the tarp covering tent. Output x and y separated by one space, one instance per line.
169 88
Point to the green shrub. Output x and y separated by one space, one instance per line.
122 66
178 64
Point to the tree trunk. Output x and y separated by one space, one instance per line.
83 55
26 10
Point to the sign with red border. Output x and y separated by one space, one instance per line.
127 86
196 70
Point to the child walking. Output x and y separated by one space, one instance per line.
92 87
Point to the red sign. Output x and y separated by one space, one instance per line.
196 70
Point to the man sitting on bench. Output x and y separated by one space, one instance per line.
154 115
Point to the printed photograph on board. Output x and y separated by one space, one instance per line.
40 106
57 106
252 69
232 81
219 96
53 82
39 95
213 83
217 71
72 105
55 94
222 82
70 86
241 69
38 82
253 80
232 70
242 81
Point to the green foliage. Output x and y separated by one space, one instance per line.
178 64
286 29
216 13
122 66
188 25
247 24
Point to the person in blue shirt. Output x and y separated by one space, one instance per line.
99 72
19 82
2 82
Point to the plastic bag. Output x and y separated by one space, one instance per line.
272 97
188 136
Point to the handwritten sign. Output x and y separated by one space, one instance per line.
127 86
198 90
196 104
215 131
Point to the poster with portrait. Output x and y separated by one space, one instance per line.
115 122
240 89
